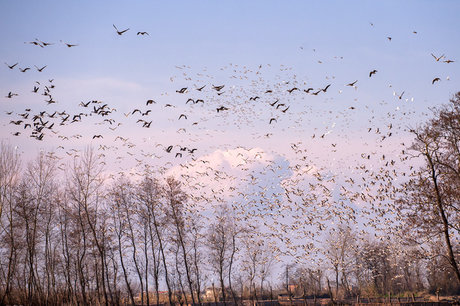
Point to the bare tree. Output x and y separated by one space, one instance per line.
339 249
429 202
176 201
9 177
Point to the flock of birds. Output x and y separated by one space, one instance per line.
290 190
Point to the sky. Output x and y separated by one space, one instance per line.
269 136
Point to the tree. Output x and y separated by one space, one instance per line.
339 250
429 204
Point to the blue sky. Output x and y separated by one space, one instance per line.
306 43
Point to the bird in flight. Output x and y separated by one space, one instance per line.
69 45
150 102
120 32
10 95
448 61
400 96
24 70
182 116
98 136
201 88
34 43
372 72
141 33
12 66
325 88
437 58
222 108
271 120
352 84
44 44
435 80
218 88
182 90
40 69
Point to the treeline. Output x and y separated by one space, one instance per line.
81 240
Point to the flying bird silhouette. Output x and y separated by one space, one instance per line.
12 66
40 69
437 58
120 32
218 88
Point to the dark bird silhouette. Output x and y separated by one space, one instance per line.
150 102
147 124
12 66
190 100
182 90
192 151
325 88
24 70
35 89
437 58
271 120
44 44
36 43
352 84
40 69
273 104
69 45
292 89
269 91
136 110
435 80
168 149
372 72
10 95
201 88
182 116
120 32
218 88
85 104
199 100
98 136
142 33
16 134
16 122
254 98
222 108
400 96
448 61
146 113
308 90
178 154
316 92
285 110
279 105
389 38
